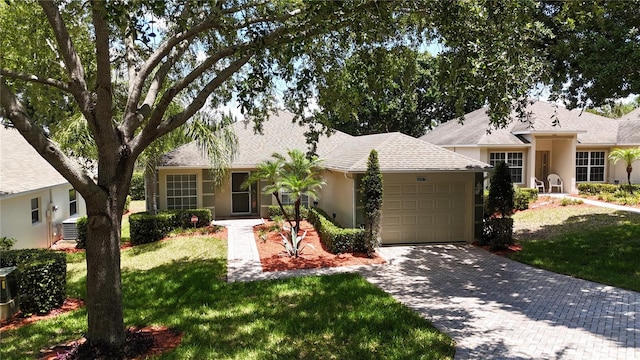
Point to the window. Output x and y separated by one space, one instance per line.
513 159
290 200
181 191
35 210
590 165
73 202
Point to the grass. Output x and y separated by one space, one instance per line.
592 243
180 283
134 207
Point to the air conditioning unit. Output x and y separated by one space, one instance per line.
69 229
8 291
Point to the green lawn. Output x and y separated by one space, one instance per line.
181 284
592 243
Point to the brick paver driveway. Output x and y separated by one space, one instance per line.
495 308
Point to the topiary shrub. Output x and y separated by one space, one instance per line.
81 226
41 276
498 232
136 189
371 189
497 224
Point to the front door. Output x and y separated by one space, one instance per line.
542 165
240 198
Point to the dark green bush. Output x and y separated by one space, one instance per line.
334 238
182 218
523 197
81 226
136 189
497 233
599 188
274 210
41 277
146 228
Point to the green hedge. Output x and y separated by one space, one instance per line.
146 228
41 276
81 226
599 188
497 233
334 238
274 211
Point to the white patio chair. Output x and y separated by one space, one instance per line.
540 186
555 182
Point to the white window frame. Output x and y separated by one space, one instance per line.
285 199
35 211
182 192
512 160
73 202
589 163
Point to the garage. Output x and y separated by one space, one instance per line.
432 208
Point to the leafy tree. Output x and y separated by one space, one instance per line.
629 156
269 171
372 191
617 109
121 65
385 90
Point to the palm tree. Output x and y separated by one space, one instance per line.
269 171
629 156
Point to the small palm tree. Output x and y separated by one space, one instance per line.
629 156
269 171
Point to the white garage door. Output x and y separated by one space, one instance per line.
423 212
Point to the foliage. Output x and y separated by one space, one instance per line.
81 226
335 239
6 243
567 201
146 228
41 278
275 211
617 109
497 232
383 89
596 188
501 192
136 190
629 156
371 188
522 197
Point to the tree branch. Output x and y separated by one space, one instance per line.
48 149
36 79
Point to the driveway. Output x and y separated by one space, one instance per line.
495 308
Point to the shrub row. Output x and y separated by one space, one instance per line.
274 211
335 238
146 228
599 188
41 277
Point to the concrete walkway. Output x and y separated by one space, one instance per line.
494 308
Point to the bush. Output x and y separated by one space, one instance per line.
598 188
497 233
274 210
81 226
567 201
136 189
127 203
146 228
6 243
335 239
182 218
523 197
41 277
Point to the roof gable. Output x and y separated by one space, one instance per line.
22 169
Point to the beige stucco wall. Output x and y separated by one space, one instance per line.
15 216
618 171
337 197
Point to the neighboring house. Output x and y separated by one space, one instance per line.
573 144
430 194
34 198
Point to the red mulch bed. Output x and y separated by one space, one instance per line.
274 258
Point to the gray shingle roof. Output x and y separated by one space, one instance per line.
22 169
340 151
590 128
629 128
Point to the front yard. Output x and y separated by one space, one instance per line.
181 283
593 243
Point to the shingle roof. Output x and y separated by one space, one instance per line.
590 128
22 169
629 128
340 151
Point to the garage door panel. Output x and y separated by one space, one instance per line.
424 212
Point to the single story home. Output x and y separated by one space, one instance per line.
35 200
573 144
430 194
